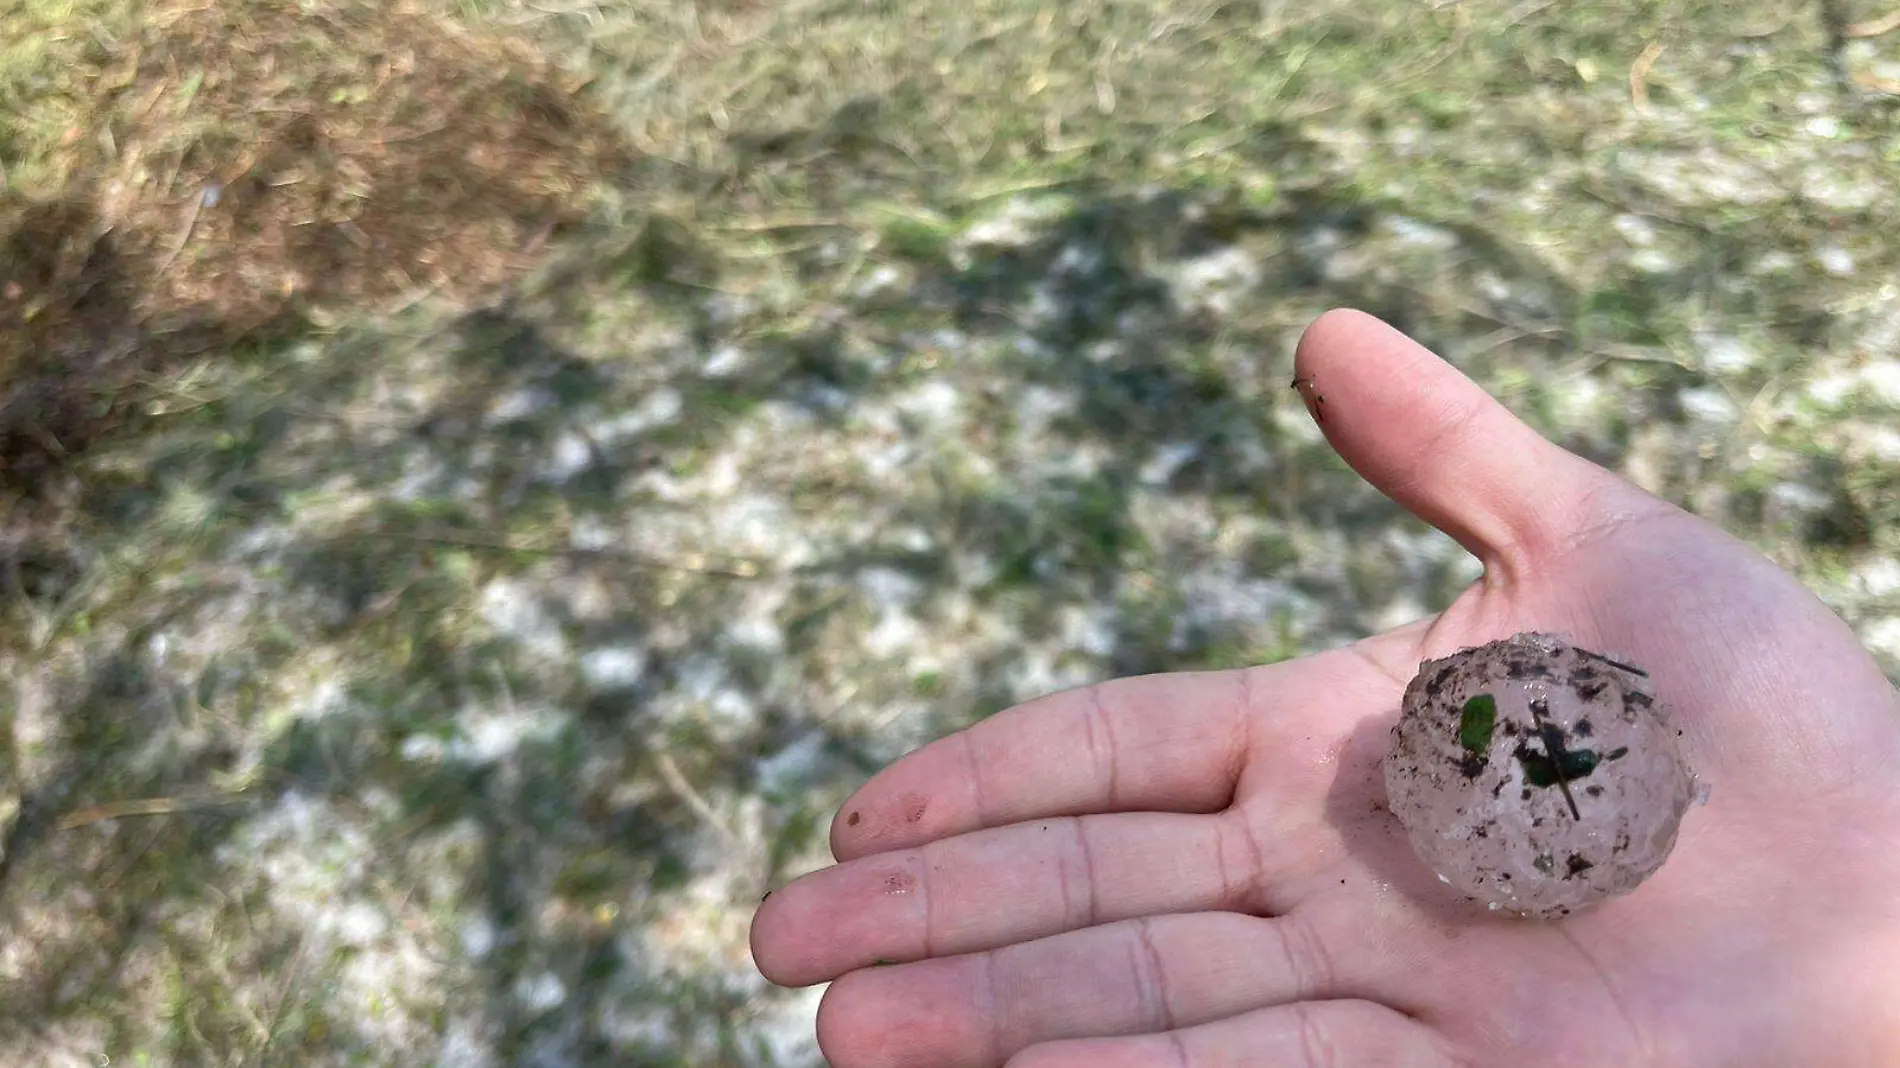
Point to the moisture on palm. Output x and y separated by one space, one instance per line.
1536 776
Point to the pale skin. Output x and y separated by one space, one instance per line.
1198 871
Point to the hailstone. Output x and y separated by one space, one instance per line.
1537 777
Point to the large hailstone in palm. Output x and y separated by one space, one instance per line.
1537 777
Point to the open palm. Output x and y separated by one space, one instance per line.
1195 870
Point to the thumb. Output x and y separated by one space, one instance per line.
1429 438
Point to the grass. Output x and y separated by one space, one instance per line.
185 179
883 366
55 50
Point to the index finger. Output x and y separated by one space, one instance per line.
1167 743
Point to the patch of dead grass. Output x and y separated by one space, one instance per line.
244 168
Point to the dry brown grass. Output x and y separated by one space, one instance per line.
245 168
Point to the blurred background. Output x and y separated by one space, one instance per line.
481 480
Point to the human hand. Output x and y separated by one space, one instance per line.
1195 870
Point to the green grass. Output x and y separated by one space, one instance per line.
53 54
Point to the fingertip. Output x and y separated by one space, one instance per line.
839 1036
793 933
867 1020
908 803
851 832
766 944
793 938
1322 335
922 1013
